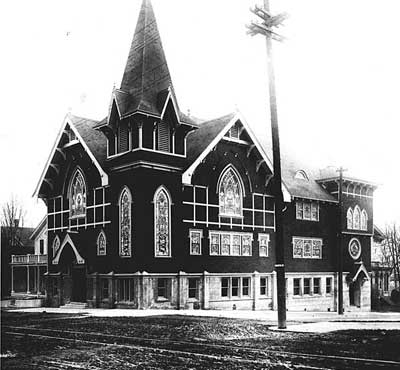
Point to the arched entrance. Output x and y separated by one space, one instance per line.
355 286
73 269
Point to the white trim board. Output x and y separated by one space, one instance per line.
69 121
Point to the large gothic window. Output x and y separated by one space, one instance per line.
77 195
162 223
125 223
230 194
349 219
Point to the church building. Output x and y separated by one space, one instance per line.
152 208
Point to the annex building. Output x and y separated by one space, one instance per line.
153 208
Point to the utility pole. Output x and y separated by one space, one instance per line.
340 242
265 28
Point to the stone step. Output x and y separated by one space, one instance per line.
75 305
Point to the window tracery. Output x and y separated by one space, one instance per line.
77 195
162 223
230 194
125 223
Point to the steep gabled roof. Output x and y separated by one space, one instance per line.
94 139
93 142
42 224
201 141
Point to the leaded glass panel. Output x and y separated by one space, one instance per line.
307 248
317 248
162 224
195 242
226 244
77 196
214 244
236 245
125 221
246 245
297 248
230 195
101 244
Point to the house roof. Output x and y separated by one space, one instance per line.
94 139
200 139
42 224
22 237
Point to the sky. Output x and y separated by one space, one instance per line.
337 79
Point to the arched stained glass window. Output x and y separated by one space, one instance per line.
125 223
162 223
101 244
77 195
56 245
356 218
364 220
230 194
349 218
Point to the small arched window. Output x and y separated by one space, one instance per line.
162 223
349 218
125 223
356 218
301 175
77 195
230 193
56 245
364 220
101 244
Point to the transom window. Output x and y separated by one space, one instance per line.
162 223
307 210
307 248
77 195
230 194
230 244
125 223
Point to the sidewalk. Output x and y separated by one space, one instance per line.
317 322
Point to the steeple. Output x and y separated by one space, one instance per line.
146 78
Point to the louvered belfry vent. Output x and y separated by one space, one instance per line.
123 140
164 137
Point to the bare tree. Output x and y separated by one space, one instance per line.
12 219
391 251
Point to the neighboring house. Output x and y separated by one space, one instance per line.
382 273
27 270
14 242
152 208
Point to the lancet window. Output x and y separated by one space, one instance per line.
230 194
125 223
162 223
101 244
77 195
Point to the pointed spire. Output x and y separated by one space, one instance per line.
146 73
